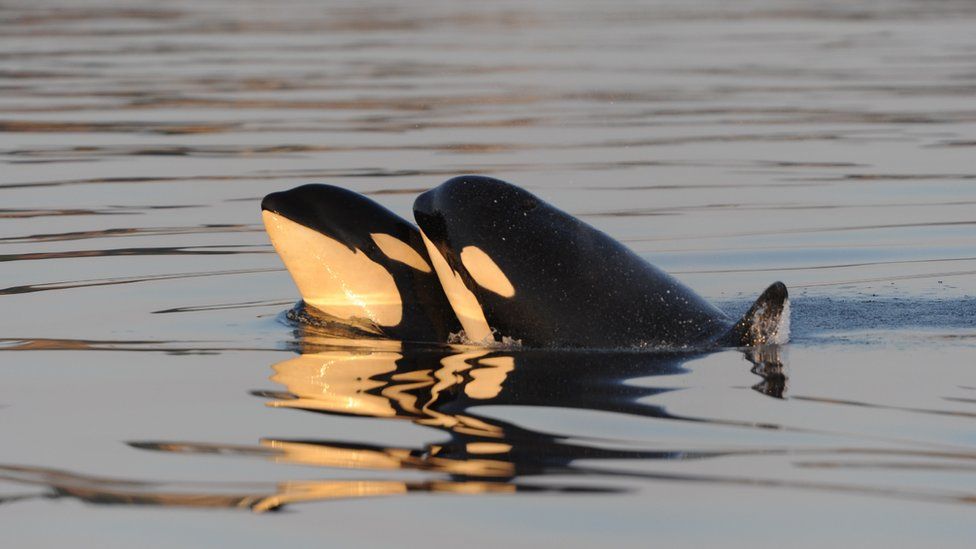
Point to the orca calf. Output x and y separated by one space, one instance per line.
503 263
361 270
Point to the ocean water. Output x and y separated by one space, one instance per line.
152 395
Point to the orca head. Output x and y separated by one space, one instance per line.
483 205
351 258
475 228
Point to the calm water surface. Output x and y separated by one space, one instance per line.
151 394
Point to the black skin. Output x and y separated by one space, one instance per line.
574 285
349 218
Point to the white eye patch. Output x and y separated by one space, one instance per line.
486 272
398 250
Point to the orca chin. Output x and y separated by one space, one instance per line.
498 261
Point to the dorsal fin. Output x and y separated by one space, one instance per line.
766 322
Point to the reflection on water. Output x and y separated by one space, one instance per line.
480 454
257 497
431 387
828 145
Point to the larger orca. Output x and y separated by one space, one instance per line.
511 264
498 261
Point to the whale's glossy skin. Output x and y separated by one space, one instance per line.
494 259
570 284
371 239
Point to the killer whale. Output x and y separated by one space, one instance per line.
510 262
362 271
498 261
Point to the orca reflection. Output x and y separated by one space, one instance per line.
435 387
458 392
444 388
255 496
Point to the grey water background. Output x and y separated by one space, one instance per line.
145 367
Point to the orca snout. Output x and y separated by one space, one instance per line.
312 205
424 204
273 202
296 204
430 221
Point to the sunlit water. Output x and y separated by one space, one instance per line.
152 395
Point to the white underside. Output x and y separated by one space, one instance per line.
341 282
462 300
